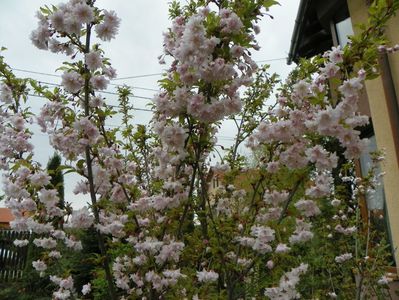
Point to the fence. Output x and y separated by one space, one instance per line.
12 258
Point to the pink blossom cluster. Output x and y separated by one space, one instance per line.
66 288
344 257
5 94
22 201
164 252
202 87
207 276
296 119
262 236
196 62
301 233
69 20
15 137
30 195
112 224
288 282
193 51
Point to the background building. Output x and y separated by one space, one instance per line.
5 218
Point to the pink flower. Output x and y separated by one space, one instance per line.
5 94
54 254
75 245
39 266
308 208
229 21
99 82
86 289
322 159
301 89
174 136
282 248
335 55
46 243
342 258
40 37
81 218
236 51
72 25
109 28
48 197
62 294
57 20
72 81
83 13
270 264
351 87
275 197
66 283
93 60
330 70
302 232
110 72
288 282
40 179
207 276
169 252
20 243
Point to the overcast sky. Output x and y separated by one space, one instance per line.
134 52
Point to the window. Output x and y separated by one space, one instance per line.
344 29
215 182
375 201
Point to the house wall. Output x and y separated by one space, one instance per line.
385 119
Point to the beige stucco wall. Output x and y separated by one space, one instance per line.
382 126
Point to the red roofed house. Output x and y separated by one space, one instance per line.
5 218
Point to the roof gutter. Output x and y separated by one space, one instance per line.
303 5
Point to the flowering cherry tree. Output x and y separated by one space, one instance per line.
285 228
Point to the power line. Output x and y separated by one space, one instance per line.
59 76
272 59
134 76
137 76
157 74
102 92
35 72
113 106
220 137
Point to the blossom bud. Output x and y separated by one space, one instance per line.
270 264
381 48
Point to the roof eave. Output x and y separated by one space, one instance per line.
297 29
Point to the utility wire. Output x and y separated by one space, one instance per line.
35 72
220 137
134 76
272 59
157 74
110 105
137 76
101 92
59 76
